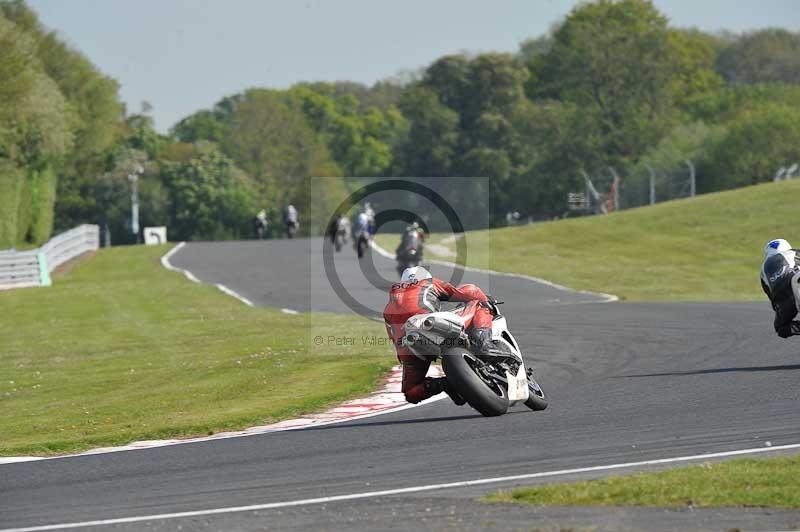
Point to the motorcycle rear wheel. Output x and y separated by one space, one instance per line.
361 247
488 398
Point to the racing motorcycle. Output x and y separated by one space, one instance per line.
490 382
339 240
291 228
261 227
361 241
410 252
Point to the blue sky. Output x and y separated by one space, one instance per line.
184 55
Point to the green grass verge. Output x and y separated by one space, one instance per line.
702 248
121 349
771 482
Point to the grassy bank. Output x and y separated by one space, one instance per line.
772 482
121 349
702 248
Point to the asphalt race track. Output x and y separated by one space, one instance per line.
627 382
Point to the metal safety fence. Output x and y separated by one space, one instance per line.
33 267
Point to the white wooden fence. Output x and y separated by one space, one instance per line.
33 267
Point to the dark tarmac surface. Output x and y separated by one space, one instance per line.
627 382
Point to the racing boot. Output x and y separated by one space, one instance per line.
481 339
454 395
435 386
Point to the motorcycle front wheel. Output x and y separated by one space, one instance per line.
536 397
468 375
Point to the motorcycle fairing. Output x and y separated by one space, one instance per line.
518 384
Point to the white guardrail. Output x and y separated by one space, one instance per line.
33 267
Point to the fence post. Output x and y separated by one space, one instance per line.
615 188
44 271
790 171
593 192
692 183
652 184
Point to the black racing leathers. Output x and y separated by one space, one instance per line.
777 274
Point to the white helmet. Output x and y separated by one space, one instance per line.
776 246
415 273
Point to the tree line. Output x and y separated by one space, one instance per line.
612 85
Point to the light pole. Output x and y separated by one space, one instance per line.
134 178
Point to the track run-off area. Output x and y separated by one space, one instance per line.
631 386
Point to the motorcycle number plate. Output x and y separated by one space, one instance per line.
518 385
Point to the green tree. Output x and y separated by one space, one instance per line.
559 150
769 55
35 133
615 61
96 190
202 125
694 53
276 146
727 103
687 141
532 49
73 118
764 138
209 197
360 138
431 147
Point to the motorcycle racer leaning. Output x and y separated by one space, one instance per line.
418 292
780 269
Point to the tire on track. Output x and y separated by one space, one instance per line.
456 366
537 400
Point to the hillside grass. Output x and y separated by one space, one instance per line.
120 349
704 248
766 482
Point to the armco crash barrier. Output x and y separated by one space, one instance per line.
33 267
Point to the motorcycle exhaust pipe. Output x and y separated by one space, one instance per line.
443 327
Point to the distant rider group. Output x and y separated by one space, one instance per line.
291 220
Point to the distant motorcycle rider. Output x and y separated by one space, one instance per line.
370 213
361 226
779 273
261 224
339 226
418 292
291 214
292 220
411 233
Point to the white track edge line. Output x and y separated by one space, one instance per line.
225 290
6 460
400 491
189 275
607 298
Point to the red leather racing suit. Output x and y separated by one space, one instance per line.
422 297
